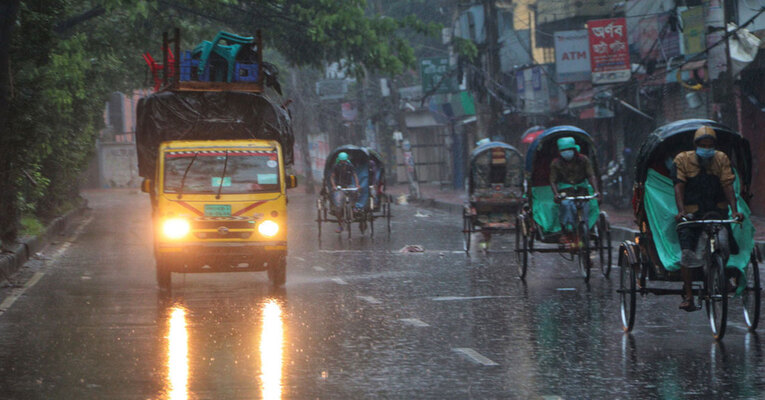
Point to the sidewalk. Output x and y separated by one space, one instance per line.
622 221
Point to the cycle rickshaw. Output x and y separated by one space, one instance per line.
654 255
495 190
538 220
364 204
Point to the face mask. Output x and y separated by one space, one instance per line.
567 154
669 163
705 153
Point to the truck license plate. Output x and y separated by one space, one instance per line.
217 210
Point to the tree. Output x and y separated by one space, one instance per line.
60 59
8 207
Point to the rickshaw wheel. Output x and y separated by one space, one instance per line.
523 265
348 215
318 216
584 251
387 211
518 229
717 296
467 230
371 216
627 293
751 296
604 246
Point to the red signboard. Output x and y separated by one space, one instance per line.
609 50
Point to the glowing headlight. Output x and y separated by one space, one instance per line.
268 228
176 228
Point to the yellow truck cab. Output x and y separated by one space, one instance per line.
218 205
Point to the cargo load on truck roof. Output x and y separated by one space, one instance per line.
167 116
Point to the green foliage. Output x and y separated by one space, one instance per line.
31 226
465 48
67 56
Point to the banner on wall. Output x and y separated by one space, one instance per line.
609 50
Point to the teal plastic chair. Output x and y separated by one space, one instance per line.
227 52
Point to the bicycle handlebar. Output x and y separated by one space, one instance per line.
709 222
588 197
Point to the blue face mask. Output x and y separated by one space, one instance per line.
705 153
567 154
669 163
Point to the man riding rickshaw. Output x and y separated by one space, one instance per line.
692 182
562 209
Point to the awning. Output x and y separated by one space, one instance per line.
532 134
421 119
583 100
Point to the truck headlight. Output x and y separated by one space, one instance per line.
268 228
176 228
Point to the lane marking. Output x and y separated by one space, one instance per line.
475 356
339 281
18 292
370 299
459 298
8 302
552 397
299 258
318 268
414 322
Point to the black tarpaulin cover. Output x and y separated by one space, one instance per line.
207 116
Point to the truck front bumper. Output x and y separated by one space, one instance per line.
191 256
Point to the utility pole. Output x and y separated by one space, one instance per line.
490 111
729 116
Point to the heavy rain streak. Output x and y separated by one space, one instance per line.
381 199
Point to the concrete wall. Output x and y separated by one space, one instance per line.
117 165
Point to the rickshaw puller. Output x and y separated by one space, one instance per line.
570 173
703 180
343 176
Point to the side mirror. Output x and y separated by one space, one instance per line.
291 181
146 186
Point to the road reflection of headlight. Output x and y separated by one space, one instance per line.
268 228
176 228
177 355
271 347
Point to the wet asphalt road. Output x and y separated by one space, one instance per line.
356 320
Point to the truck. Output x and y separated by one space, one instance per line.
214 165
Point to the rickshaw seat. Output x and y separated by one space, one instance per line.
545 210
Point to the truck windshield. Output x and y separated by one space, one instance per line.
246 171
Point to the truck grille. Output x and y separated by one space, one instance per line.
220 235
230 224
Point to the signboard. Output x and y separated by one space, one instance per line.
572 56
433 72
331 89
653 39
609 52
349 111
535 95
694 37
514 50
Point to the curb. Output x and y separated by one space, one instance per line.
618 233
29 246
